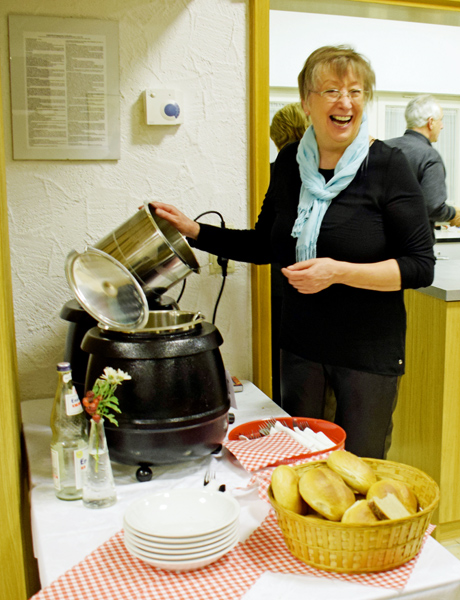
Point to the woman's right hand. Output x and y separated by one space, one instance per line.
180 221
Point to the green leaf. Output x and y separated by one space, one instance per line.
112 419
105 390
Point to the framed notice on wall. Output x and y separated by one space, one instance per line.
65 96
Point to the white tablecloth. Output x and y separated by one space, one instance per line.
64 533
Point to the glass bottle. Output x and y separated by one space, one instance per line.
98 484
69 442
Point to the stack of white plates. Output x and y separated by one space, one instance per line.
182 529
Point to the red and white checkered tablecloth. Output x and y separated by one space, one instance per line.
266 451
268 536
111 573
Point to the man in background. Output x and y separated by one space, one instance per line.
424 124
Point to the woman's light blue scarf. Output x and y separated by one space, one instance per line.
315 194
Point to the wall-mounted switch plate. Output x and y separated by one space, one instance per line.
163 107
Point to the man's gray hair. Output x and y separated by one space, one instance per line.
420 109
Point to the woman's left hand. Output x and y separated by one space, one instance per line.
311 276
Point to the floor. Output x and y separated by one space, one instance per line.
453 546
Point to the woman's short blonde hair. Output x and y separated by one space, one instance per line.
338 59
288 124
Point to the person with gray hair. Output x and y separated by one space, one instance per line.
419 111
424 124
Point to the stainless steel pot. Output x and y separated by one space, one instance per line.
141 259
152 249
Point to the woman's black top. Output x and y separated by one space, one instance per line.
380 215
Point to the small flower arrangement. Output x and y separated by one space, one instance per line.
99 401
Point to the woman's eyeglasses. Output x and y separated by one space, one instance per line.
331 96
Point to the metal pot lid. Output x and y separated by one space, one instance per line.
106 289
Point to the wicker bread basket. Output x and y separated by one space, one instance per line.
350 548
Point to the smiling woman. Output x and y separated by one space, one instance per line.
346 220
334 90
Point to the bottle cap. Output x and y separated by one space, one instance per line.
63 366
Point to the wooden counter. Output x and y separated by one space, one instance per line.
427 419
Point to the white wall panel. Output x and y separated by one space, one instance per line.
406 56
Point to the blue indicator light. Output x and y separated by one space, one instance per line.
172 110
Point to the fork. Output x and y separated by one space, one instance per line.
267 426
302 426
209 476
210 479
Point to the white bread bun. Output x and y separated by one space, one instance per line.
353 470
401 490
285 488
389 507
359 513
326 492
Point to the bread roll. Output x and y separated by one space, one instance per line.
285 488
389 507
359 513
353 470
401 490
326 492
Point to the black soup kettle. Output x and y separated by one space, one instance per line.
176 405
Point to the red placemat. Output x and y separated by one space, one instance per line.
266 451
258 550
111 573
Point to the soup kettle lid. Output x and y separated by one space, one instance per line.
106 289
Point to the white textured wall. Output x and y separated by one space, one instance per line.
197 46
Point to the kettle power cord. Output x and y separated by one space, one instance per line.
221 261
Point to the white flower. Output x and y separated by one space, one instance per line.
122 376
115 377
109 374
